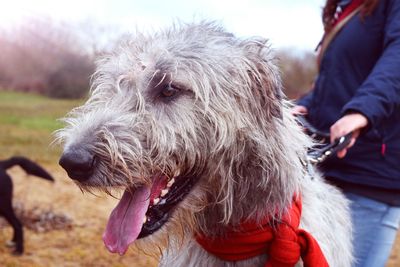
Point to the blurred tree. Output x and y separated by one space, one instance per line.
57 58
298 70
49 57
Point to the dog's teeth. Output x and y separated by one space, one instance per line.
156 200
171 182
144 219
164 192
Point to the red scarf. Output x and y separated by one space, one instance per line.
284 243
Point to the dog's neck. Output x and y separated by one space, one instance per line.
258 182
251 198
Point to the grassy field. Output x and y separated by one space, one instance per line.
26 124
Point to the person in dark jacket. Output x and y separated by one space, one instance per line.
358 90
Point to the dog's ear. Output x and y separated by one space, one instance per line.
269 91
264 76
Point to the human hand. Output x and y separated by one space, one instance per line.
299 110
353 122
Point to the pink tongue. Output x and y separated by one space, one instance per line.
126 220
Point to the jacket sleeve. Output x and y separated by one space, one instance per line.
306 100
379 96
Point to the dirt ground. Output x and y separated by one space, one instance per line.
82 245
394 260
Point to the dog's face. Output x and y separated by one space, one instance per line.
165 114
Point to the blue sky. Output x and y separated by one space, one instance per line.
287 23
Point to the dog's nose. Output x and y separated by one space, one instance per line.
79 163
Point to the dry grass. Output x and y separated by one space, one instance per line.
26 123
79 246
394 260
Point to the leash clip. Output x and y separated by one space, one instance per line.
323 149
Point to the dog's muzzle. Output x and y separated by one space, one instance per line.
78 162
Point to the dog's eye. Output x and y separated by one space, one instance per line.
169 91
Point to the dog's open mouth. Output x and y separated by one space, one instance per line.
143 210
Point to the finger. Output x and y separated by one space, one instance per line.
342 153
303 111
335 136
356 133
299 110
335 132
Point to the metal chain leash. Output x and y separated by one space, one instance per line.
323 149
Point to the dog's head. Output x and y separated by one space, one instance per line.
173 116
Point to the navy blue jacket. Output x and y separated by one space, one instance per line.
360 71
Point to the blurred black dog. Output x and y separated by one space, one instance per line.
6 193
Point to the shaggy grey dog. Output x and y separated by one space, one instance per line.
191 124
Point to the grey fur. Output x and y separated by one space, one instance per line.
228 124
